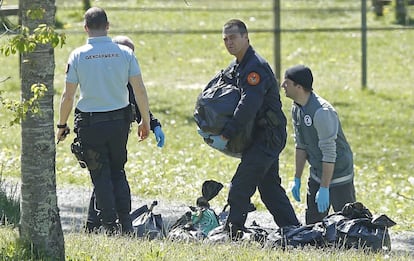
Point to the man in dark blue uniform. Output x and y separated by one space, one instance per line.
260 102
103 115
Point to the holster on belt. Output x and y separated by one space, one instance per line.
77 150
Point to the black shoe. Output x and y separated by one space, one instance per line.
92 227
127 230
236 232
112 229
125 223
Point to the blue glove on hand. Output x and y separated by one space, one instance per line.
322 199
296 190
159 136
203 134
218 142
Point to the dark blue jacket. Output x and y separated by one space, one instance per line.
259 94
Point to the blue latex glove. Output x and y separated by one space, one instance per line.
159 136
203 134
296 190
218 142
322 199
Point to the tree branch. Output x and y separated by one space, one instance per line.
401 195
5 79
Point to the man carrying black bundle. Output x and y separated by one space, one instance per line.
260 102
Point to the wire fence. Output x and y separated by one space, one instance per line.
336 23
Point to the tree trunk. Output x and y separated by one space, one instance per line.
40 226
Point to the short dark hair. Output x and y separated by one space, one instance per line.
236 22
95 18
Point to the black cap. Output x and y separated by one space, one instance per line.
301 75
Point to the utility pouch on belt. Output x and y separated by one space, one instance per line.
269 119
76 148
272 118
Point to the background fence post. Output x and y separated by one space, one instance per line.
364 44
277 41
401 12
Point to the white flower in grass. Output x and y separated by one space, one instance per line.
388 190
146 181
384 209
411 180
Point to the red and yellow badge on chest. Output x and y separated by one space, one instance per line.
253 78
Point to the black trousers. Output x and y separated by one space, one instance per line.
104 145
338 197
259 169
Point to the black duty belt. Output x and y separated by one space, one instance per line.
90 118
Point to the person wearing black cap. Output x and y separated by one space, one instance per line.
259 166
319 139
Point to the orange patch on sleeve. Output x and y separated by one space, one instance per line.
253 78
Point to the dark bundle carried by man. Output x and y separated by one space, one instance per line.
215 107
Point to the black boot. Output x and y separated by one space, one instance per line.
92 227
126 224
236 231
112 229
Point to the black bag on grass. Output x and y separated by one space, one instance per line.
146 223
297 236
352 227
361 230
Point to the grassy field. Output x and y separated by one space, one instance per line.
377 121
94 247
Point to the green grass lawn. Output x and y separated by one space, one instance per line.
98 247
377 121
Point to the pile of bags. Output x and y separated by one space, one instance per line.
352 227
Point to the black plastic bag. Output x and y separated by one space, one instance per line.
210 189
362 233
215 107
352 227
355 227
297 236
147 224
